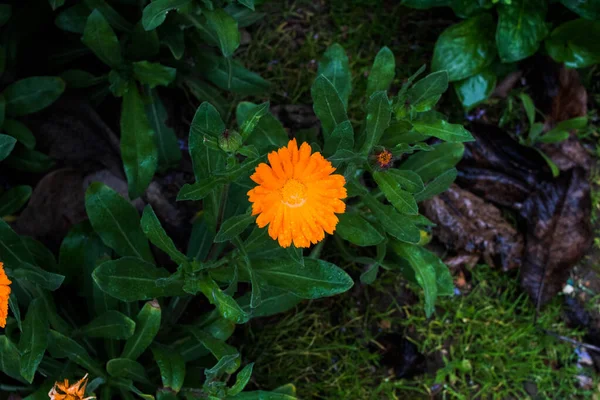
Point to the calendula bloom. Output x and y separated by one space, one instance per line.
62 391
384 159
297 195
4 295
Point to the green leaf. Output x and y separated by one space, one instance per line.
199 190
128 369
61 346
116 221
439 185
379 113
247 3
423 269
334 66
147 324
227 356
14 199
172 36
231 75
10 360
110 325
32 94
7 144
131 279
118 83
112 16
263 395
382 72
172 367
2 99
357 230
521 29
206 123
34 340
425 93
200 241
145 44
169 154
342 138
425 4
153 74
574 43
138 146
475 89
241 380
155 13
328 105
157 235
73 19
529 107
554 137
13 251
253 117
102 40
5 13
273 301
317 279
14 308
27 160
399 226
79 79
443 130
233 227
267 135
37 275
56 4
408 180
466 48
402 200
19 131
429 164
587 9
225 29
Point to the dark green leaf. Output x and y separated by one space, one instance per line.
244 16
19 131
439 185
102 40
155 13
263 395
131 279
328 105
342 138
225 29
430 164
110 325
13 251
10 362
443 130
466 48
398 225
169 154
27 160
574 43
34 340
172 36
424 271
37 275
13 199
425 4
73 19
357 230
172 367
199 190
317 279
206 123
145 44
379 113
41 254
402 200
147 324
7 144
61 346
589 9
425 93
116 221
267 135
247 3
112 16
119 83
382 72
241 380
153 74
203 91
157 235
253 117
233 227
334 66
475 89
78 79
32 94
5 13
521 28
138 146
408 180
231 75
2 99
200 240
56 3
273 301
128 369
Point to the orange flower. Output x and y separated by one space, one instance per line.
384 159
4 295
297 195
62 391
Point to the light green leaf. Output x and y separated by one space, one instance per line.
138 146
153 74
253 118
521 29
443 130
14 199
402 200
172 367
382 72
529 107
357 230
110 325
34 340
32 94
241 380
155 13
379 112
116 221
425 93
589 9
466 48
157 235
328 105
102 40
475 89
7 144
147 324
222 26
439 185
334 66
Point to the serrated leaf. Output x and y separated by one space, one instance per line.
116 221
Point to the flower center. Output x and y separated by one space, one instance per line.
293 193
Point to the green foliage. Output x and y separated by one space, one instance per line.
467 50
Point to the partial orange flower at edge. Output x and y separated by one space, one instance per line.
297 195
4 295
74 392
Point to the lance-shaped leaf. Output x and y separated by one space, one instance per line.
128 369
155 13
357 230
19 131
328 105
233 227
334 66
10 359
443 130
147 324
34 340
399 226
157 235
172 367
226 305
379 112
61 346
102 40
14 199
382 72
224 28
32 94
153 74
430 164
7 144
110 325
425 93
402 200
207 123
169 154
